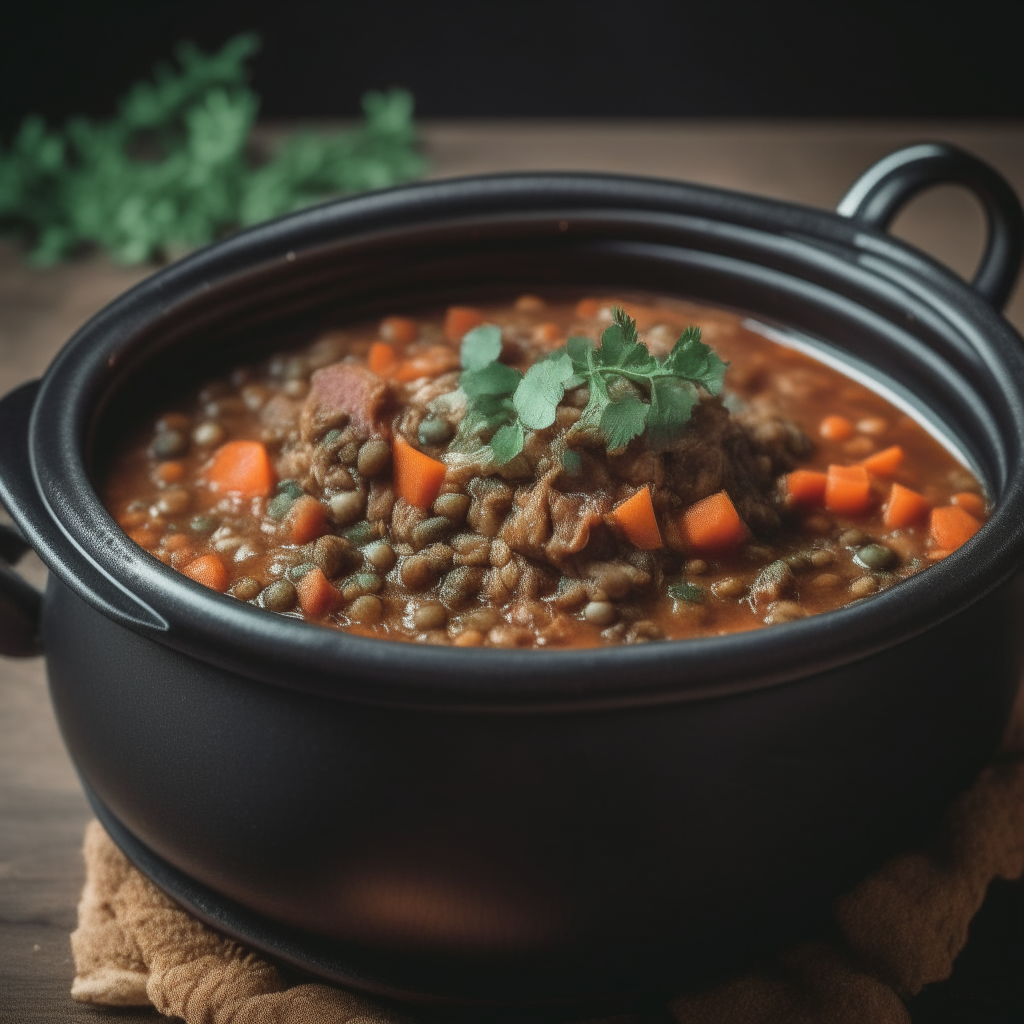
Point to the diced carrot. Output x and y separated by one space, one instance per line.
181 557
316 595
972 503
806 487
169 472
210 571
950 526
904 507
418 477
587 308
460 319
547 333
635 517
847 490
243 467
835 428
885 462
381 358
432 363
146 537
713 524
399 330
307 520
937 554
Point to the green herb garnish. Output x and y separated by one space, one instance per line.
174 168
631 391
688 592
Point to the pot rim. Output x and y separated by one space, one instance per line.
90 552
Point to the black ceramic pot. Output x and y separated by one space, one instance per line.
526 826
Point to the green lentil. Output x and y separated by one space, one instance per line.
366 610
280 596
417 573
359 584
381 556
278 506
430 615
430 531
434 430
452 506
296 572
202 524
361 534
291 488
875 556
374 457
246 589
347 507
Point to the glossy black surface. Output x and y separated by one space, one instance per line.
516 826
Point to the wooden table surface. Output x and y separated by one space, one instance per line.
42 810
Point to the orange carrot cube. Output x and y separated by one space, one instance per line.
806 487
884 463
635 517
951 526
306 520
418 477
459 320
210 571
243 467
847 490
713 524
316 595
904 507
835 428
381 358
969 502
399 330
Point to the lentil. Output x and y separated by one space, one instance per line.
246 589
523 554
280 596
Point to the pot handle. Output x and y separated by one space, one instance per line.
21 605
884 189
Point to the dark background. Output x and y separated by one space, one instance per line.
598 59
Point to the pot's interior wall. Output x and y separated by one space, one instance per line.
283 304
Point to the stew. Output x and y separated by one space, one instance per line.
544 473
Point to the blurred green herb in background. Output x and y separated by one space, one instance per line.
176 168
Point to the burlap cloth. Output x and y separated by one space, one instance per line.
897 931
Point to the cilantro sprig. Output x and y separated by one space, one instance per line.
177 167
631 390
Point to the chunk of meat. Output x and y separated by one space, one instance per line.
344 393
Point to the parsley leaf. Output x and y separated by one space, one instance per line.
619 374
688 592
692 359
541 390
507 442
672 401
173 169
621 346
492 379
622 421
480 346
